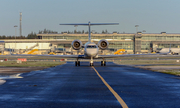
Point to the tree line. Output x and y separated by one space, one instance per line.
33 35
29 36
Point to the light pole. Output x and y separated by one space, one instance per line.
93 31
135 42
15 34
76 28
15 30
144 31
136 28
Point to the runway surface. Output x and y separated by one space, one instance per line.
80 87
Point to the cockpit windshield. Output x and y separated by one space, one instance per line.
91 46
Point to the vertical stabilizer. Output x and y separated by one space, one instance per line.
91 24
89 37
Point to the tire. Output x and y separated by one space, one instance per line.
78 63
91 64
104 63
101 63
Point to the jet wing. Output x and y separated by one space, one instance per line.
136 55
28 55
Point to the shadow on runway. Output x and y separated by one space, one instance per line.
97 64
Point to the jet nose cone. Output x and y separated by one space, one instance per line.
92 52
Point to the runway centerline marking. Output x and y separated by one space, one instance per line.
120 100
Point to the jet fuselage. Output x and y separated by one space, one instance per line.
90 50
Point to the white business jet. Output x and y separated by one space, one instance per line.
90 48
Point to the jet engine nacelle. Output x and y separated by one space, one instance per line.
103 44
76 44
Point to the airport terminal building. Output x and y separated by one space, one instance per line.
131 42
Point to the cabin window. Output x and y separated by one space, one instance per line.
91 46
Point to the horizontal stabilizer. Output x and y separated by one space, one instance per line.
91 24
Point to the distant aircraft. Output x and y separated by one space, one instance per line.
90 48
173 50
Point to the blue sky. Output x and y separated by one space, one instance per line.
154 16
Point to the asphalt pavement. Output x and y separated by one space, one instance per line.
80 87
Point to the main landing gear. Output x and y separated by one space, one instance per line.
103 63
77 63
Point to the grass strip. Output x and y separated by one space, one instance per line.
31 64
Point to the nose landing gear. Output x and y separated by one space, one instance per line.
91 62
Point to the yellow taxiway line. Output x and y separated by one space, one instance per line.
120 100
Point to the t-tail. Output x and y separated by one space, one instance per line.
89 24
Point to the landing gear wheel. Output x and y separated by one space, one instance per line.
78 63
104 63
101 63
91 64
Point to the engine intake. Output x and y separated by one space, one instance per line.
103 44
76 44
